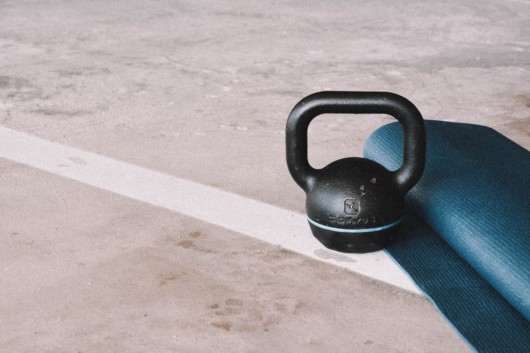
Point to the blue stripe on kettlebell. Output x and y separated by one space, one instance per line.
364 230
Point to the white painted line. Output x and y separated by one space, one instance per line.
243 215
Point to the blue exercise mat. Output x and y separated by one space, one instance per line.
466 239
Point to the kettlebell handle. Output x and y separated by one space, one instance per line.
335 102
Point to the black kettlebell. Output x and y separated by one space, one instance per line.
355 204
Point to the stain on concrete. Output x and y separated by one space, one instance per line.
195 234
234 302
4 81
19 88
278 256
83 71
60 113
193 243
242 15
169 277
254 315
222 325
187 244
77 160
524 99
522 127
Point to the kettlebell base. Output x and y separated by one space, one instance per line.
361 242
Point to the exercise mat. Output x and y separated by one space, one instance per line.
466 238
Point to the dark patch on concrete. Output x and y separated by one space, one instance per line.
243 15
195 234
69 73
166 278
525 99
222 325
187 244
19 88
4 81
77 160
13 82
83 71
54 112
521 127
234 302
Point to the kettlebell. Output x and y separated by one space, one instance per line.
355 204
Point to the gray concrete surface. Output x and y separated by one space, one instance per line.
201 90
85 270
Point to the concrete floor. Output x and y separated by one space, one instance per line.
201 90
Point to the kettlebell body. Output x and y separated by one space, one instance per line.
355 204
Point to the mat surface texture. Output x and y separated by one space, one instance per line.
466 240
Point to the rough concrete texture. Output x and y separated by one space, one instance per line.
201 90
87 271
